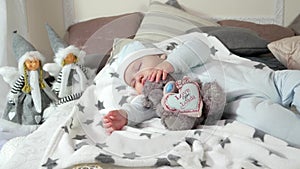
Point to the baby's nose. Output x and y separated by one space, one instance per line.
141 79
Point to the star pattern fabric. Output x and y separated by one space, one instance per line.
259 134
119 88
204 164
50 164
111 61
171 46
190 140
80 107
123 100
79 137
213 50
130 155
85 134
100 124
116 75
101 145
99 105
79 145
162 162
224 142
197 132
87 122
103 158
146 134
259 66
65 128
173 157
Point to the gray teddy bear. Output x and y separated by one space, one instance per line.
213 98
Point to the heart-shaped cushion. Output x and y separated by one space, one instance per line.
187 100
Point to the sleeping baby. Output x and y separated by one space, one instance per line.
259 97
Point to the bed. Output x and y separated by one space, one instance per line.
73 136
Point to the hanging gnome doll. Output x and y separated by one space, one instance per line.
30 95
73 77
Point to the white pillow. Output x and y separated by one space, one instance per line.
163 21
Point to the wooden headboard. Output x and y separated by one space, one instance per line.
267 11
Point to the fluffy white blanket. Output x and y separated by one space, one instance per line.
82 139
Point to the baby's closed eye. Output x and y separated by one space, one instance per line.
132 83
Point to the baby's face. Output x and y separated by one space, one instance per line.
136 73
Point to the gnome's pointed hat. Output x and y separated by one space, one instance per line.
55 41
20 45
23 50
62 48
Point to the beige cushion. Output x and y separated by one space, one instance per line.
96 36
163 21
287 51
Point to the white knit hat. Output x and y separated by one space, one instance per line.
132 52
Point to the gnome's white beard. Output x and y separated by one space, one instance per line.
76 88
35 90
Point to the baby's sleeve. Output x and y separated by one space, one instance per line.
189 54
136 112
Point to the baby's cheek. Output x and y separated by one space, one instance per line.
139 88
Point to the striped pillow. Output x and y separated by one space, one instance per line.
163 21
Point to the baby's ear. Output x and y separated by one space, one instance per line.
163 56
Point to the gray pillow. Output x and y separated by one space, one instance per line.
240 41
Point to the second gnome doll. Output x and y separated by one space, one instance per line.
73 77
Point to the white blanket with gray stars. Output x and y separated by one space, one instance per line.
82 139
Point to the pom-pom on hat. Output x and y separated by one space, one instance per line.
24 50
132 52
61 48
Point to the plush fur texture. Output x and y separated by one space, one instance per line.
213 97
63 52
30 55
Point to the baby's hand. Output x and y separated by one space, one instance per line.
161 71
114 120
165 66
157 75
